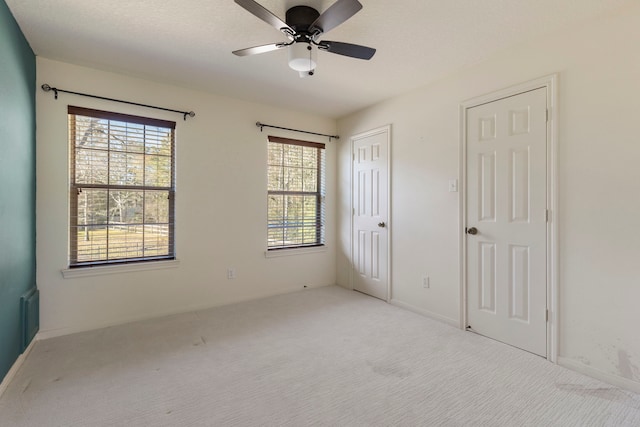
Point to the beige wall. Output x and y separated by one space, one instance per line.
220 205
599 186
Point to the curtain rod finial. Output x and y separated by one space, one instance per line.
45 87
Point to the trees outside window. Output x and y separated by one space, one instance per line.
295 193
122 188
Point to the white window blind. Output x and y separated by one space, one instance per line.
296 193
122 188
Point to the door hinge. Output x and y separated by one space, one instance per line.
546 316
547 115
546 215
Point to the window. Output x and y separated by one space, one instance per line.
295 193
122 188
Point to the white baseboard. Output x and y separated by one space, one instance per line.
16 366
57 332
426 313
599 375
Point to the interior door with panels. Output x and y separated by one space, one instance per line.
506 213
370 192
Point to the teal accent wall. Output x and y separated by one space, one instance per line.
17 182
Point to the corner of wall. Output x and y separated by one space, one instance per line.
17 166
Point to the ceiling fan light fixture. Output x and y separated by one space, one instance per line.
302 57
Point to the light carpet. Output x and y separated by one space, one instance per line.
324 356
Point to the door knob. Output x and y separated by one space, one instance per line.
382 225
473 231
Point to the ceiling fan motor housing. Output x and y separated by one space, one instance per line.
300 18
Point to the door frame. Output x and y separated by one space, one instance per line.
550 83
382 129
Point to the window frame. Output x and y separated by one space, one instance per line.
319 194
75 187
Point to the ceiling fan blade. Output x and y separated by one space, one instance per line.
347 49
259 49
337 13
256 9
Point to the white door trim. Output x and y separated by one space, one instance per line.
383 129
550 83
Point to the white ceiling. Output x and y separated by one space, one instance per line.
189 43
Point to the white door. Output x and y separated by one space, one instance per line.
507 220
370 213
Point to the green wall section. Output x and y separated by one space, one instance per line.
17 182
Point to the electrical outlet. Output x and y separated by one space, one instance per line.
425 282
231 273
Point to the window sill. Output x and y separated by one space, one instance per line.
294 251
72 273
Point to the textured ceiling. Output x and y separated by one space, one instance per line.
189 43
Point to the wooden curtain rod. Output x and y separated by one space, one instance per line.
55 90
262 125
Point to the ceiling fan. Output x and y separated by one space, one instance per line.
303 27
